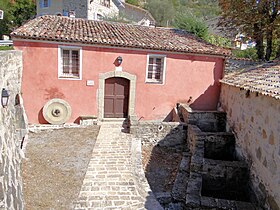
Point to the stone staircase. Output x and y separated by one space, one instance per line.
212 174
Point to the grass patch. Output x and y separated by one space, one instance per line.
6 47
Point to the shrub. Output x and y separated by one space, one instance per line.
6 48
191 24
250 53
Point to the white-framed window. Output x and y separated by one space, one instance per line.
69 62
155 72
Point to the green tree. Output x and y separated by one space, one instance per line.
257 18
218 40
6 22
15 14
162 10
191 24
203 9
23 10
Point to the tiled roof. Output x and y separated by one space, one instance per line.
64 29
264 79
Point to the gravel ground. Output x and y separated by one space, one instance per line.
55 165
161 165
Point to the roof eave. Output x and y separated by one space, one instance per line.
19 37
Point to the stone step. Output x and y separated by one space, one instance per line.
176 206
164 198
180 185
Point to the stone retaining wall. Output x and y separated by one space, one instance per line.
216 183
143 186
255 120
208 121
12 131
169 134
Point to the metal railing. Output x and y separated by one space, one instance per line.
6 42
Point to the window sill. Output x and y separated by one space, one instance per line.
154 82
69 78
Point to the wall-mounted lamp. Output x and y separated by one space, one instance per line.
247 94
119 60
4 97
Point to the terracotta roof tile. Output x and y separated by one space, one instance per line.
264 79
64 29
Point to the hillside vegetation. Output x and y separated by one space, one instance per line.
166 11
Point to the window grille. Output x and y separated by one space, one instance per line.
70 63
155 70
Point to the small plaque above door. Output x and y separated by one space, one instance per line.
90 82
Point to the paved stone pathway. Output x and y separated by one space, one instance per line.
110 181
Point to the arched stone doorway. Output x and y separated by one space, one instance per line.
108 82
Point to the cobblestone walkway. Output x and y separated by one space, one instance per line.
110 182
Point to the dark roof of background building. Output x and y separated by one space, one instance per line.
215 29
264 79
76 30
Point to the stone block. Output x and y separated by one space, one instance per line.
163 197
177 206
185 164
196 163
225 204
208 202
194 185
180 186
192 200
244 205
88 120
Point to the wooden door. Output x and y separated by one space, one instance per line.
116 98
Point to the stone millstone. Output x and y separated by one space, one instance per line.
57 111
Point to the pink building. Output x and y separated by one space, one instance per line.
115 70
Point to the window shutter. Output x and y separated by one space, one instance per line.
41 2
49 3
65 13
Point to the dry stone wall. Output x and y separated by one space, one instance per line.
12 131
166 134
255 120
207 121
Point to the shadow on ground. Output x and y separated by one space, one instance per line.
161 162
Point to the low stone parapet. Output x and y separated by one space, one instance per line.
13 131
208 121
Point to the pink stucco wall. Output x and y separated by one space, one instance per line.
186 76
